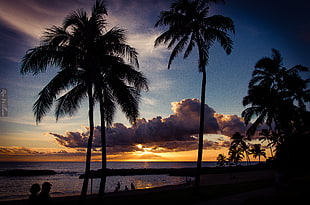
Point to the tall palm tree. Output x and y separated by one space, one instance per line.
116 83
86 55
190 25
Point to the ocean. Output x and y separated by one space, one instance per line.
67 181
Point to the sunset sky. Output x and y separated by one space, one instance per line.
169 115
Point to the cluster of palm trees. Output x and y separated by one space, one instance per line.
95 64
277 99
92 64
240 149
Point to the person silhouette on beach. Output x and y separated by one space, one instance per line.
132 187
44 197
33 198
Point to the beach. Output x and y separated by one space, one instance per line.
208 181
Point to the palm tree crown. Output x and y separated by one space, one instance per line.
190 26
274 91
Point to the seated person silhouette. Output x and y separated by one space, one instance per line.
33 198
44 197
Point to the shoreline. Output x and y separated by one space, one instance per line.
212 179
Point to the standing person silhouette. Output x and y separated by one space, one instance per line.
132 186
33 198
44 197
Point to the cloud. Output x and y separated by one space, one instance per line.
32 16
230 124
18 151
178 132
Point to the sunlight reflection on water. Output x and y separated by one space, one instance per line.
68 182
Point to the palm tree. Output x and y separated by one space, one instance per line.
257 151
272 92
70 48
270 138
221 160
86 55
188 26
235 154
116 83
277 97
238 142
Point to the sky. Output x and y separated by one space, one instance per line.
169 112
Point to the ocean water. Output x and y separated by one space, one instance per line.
67 182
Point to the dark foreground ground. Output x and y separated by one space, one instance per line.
248 187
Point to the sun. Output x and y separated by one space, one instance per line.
140 146
143 150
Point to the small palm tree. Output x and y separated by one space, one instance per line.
270 138
190 25
257 151
235 154
221 160
238 142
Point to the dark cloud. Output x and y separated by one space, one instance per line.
178 132
230 124
18 151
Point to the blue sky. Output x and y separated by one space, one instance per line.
260 26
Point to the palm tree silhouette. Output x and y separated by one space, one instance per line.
257 151
115 83
277 97
235 154
238 142
221 160
273 91
188 26
268 136
91 65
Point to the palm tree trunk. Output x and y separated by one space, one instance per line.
248 158
103 151
90 141
201 130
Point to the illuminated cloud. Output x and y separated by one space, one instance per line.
176 133
230 124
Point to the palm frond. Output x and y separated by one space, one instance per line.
55 35
77 19
126 97
69 103
177 49
49 93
